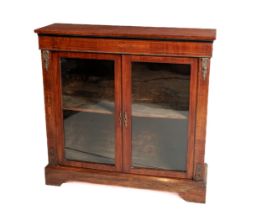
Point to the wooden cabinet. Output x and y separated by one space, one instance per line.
127 105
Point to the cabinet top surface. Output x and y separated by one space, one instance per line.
128 32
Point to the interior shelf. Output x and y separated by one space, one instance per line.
77 103
81 104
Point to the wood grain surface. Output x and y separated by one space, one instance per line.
123 45
129 32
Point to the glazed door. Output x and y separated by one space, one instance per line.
159 96
90 87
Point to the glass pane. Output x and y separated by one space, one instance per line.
160 105
88 104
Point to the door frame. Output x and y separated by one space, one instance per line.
127 101
59 107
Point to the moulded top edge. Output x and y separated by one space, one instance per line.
128 32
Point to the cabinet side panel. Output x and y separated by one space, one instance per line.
201 118
192 117
49 86
59 126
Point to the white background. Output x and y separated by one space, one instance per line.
234 131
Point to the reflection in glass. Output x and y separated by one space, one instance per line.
160 105
88 104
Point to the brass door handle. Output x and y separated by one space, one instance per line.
125 119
